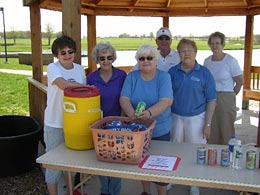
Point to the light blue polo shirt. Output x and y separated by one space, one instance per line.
137 89
192 90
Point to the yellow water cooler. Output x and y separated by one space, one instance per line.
81 107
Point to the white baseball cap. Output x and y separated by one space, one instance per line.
163 31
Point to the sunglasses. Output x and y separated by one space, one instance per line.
103 58
163 38
148 58
63 53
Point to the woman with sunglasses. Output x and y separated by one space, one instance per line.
61 74
152 86
109 80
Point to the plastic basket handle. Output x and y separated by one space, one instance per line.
72 107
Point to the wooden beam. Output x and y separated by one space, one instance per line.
71 23
168 3
135 2
185 11
246 2
166 22
36 42
206 5
248 57
91 19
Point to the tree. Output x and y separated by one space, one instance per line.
124 35
151 35
257 39
14 35
49 32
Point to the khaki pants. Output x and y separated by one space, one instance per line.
222 125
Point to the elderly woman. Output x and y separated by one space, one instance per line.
194 96
109 81
229 80
152 86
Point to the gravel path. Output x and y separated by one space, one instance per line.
29 183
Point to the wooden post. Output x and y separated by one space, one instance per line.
166 22
36 42
248 57
71 23
91 41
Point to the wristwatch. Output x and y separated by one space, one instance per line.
150 113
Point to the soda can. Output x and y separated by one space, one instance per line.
201 155
251 159
140 108
225 156
212 156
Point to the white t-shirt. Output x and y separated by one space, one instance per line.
53 115
166 63
223 72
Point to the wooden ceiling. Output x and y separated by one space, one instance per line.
160 8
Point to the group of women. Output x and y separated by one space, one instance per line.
182 98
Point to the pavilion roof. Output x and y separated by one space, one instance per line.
160 8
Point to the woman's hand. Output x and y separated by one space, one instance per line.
206 131
145 115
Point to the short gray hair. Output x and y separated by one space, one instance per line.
103 47
144 49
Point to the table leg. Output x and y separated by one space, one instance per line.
70 183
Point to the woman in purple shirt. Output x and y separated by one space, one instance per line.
109 81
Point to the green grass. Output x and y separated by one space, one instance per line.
14 97
14 94
24 45
13 63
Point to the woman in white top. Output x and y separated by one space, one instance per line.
229 80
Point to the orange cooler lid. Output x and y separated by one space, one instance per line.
81 91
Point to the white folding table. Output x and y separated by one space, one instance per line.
187 173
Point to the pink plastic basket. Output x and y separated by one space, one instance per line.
121 146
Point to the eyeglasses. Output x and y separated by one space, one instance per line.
163 38
63 53
103 58
148 58
186 51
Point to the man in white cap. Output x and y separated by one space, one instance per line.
168 57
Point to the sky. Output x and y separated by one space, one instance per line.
17 17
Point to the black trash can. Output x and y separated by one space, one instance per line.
19 140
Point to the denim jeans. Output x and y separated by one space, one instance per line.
110 185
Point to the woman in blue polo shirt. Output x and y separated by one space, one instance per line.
109 80
194 95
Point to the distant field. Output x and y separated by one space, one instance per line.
24 45
13 86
